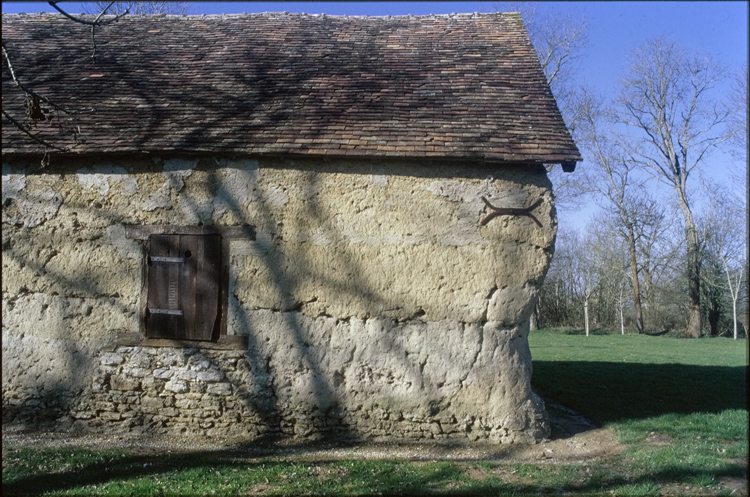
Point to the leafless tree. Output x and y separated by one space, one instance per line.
118 8
585 273
725 247
560 41
614 178
666 99
608 257
40 108
657 249
558 300
738 114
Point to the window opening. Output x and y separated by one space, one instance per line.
184 287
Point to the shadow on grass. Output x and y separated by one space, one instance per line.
390 477
619 484
607 391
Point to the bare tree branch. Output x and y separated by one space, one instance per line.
97 22
32 135
26 89
137 8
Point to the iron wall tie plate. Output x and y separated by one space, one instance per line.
497 211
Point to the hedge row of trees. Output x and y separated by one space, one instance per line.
590 274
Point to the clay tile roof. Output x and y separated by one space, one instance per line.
458 86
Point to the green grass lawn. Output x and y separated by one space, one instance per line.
678 405
624 377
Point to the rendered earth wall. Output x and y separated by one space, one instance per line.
376 303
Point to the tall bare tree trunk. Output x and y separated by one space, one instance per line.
693 272
734 291
634 278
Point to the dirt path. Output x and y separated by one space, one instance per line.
574 438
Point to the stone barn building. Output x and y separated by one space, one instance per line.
276 225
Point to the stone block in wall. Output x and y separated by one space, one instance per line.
197 388
150 384
187 375
176 386
118 382
163 374
223 389
209 403
110 416
187 403
152 402
111 359
104 406
198 362
210 376
136 372
232 415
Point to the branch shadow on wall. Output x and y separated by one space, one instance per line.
274 92
49 400
285 264
323 384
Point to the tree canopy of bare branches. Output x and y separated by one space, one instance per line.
137 8
667 103
738 109
560 41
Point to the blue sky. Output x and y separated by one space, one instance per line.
616 28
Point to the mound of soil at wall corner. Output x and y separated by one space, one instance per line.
574 438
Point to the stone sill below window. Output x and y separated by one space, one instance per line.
225 342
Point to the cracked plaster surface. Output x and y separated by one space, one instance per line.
367 290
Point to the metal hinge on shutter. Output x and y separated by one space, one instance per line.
180 260
171 312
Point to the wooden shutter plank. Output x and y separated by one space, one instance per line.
184 284
207 286
164 288
158 274
187 285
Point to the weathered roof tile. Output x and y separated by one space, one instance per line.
458 86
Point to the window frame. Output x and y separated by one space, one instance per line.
142 234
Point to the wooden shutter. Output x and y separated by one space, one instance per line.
183 287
